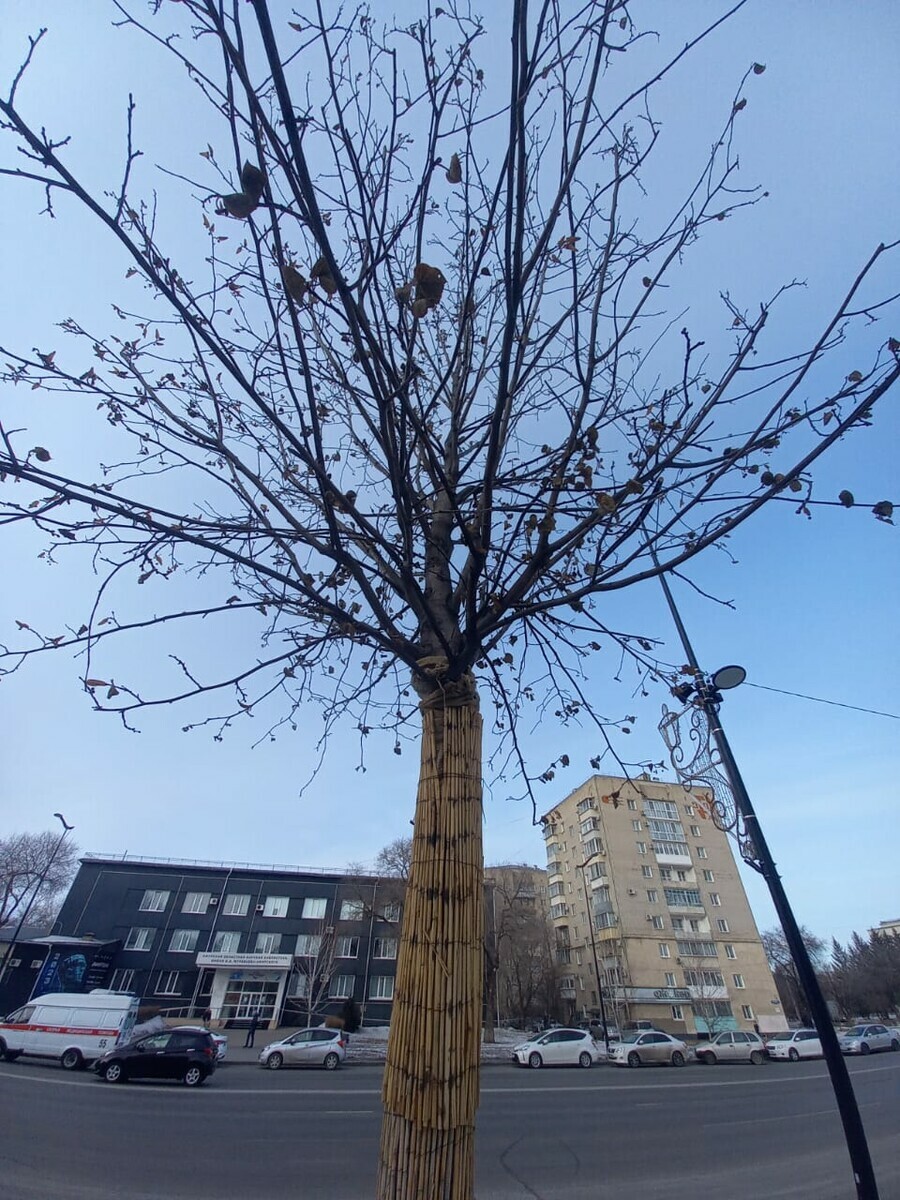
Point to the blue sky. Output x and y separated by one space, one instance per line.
812 600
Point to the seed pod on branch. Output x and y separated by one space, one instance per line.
252 181
322 275
429 283
295 284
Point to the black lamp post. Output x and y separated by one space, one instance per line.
582 867
67 828
705 693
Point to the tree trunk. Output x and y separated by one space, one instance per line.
431 1078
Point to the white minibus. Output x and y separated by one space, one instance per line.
75 1028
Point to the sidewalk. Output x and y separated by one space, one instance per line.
364 1048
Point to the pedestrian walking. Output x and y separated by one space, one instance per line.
251 1030
207 1017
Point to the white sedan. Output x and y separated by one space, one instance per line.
649 1046
794 1044
557 1048
320 1047
864 1039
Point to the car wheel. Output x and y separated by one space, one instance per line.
865 1048
895 1044
535 1060
275 1061
12 1055
634 1059
756 1057
331 1061
71 1060
585 1060
677 1058
709 1058
793 1055
113 1072
193 1076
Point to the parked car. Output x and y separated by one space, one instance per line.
648 1046
309 1048
794 1044
864 1039
734 1046
185 1054
558 1048
220 1039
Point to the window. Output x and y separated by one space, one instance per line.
647 872
583 806
658 923
122 980
558 910
682 897
704 979
567 983
681 876
730 951
167 983
236 906
652 896
678 849
636 824
642 847
154 901
314 908
601 895
195 902
695 831
596 871
670 979
714 899
308 945
603 921
667 831
678 924
226 942
712 1008
709 877
738 981
392 911
677 1014
701 852
267 943
384 947
351 910
722 925
689 809
665 809
184 941
299 986
381 987
594 846
691 948
139 939
346 947
589 826
631 803
556 889
747 1011
277 906
664 950
341 987
665 873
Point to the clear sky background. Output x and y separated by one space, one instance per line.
812 604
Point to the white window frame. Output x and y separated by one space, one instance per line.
392 912
641 847
346 946
738 981
381 987
143 941
311 944
341 987
154 900
677 1012
658 922
636 825
722 925
647 871
122 980
267 943
314 908
631 803
236 904
695 831
171 981
747 1010
730 951
701 852
670 979
652 896
276 906
380 944
664 951
187 939
352 910
230 946
196 903
715 899
708 876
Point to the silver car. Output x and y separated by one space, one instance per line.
558 1047
864 1039
648 1046
320 1047
733 1046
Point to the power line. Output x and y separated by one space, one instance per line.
818 699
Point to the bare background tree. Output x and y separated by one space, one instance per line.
784 971
404 398
314 967
24 857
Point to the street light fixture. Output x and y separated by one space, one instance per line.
582 867
67 828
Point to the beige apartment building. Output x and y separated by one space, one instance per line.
675 939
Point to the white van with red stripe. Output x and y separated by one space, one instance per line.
75 1028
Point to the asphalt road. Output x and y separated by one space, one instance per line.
740 1133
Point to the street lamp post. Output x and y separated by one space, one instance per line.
40 883
705 693
582 868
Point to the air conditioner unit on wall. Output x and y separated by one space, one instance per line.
260 908
213 901
632 892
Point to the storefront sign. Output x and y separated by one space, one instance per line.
281 962
644 995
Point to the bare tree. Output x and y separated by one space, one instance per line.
395 859
401 404
313 971
784 971
522 955
709 996
32 861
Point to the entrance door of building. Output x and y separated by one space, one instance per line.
244 997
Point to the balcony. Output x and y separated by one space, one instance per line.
554 867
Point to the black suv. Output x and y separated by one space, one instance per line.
188 1055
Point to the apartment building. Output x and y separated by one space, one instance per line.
639 873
